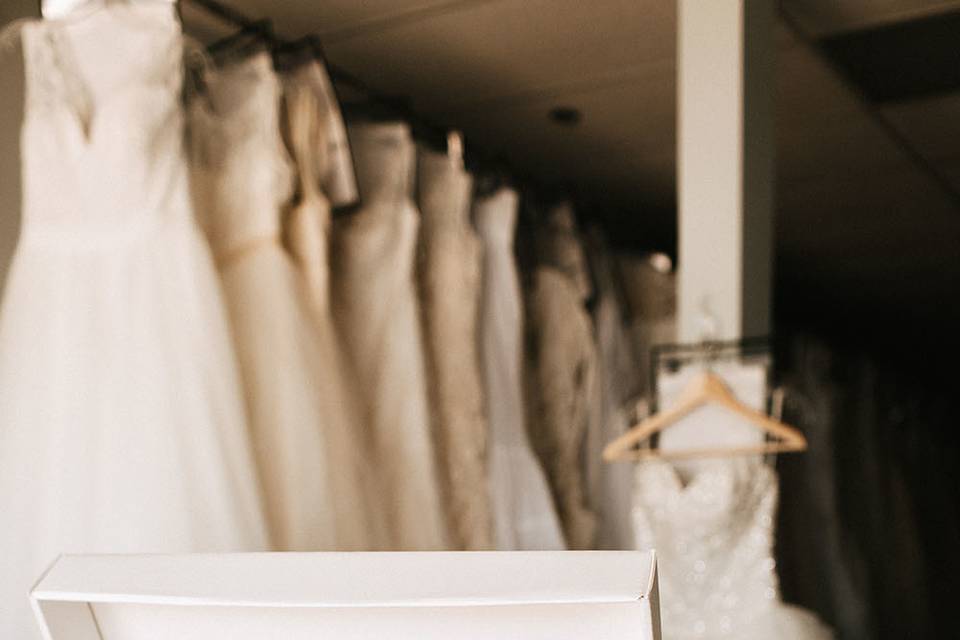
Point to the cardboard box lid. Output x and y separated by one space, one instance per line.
429 579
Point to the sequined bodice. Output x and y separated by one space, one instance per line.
242 172
102 135
714 540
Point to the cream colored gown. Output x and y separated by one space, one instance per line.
243 177
307 237
448 274
524 517
122 425
376 310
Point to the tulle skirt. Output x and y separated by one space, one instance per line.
304 429
122 428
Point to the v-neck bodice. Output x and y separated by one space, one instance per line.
714 538
102 133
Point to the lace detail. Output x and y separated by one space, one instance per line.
55 80
238 155
50 82
714 539
448 275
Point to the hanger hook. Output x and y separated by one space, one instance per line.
709 329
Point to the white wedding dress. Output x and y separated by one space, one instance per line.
714 542
524 517
375 306
308 462
122 427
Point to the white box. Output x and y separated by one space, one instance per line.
596 595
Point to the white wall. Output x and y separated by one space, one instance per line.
11 112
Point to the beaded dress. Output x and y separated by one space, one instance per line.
714 542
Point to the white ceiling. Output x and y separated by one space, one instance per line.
855 213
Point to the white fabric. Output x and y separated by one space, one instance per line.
121 423
307 236
714 542
376 310
610 485
523 512
309 470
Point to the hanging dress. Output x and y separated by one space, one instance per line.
714 541
524 517
448 274
122 427
376 310
242 178
562 373
610 486
307 238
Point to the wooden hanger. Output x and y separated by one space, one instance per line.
705 389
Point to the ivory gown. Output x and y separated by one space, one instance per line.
307 237
376 310
122 427
448 274
714 541
308 466
524 517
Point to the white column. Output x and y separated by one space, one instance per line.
725 185
725 158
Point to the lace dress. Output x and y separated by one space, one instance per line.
562 374
375 306
524 517
448 275
121 420
714 542
243 177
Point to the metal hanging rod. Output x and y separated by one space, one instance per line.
496 171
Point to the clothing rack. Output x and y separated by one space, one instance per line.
491 172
